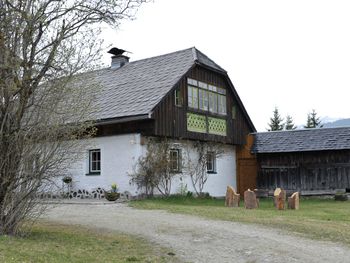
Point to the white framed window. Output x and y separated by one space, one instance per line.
95 161
211 162
175 160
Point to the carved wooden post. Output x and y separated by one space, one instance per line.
250 201
232 198
279 198
293 201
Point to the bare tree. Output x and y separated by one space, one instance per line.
43 45
154 170
198 155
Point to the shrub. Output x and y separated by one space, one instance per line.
340 196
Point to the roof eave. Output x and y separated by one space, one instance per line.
123 119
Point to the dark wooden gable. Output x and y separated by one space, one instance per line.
171 120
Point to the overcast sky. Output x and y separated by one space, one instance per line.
291 54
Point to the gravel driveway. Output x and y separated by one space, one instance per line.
194 239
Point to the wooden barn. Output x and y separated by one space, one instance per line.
312 161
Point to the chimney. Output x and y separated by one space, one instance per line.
118 59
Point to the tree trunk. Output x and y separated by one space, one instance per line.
232 198
293 201
250 200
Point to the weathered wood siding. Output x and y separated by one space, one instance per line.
171 120
247 166
305 171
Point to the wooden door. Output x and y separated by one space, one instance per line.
246 174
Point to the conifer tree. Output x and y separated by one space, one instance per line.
289 125
313 121
276 122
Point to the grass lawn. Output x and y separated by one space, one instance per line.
323 219
59 243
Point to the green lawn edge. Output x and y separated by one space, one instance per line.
52 242
318 218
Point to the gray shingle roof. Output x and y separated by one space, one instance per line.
137 87
302 140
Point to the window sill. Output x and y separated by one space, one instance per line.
211 172
92 174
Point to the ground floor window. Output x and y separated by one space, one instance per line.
175 160
95 161
211 162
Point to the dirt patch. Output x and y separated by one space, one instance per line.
195 239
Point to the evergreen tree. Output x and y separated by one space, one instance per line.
276 122
289 123
313 121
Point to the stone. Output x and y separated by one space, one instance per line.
232 198
250 200
279 198
293 201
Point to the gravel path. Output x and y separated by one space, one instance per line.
194 239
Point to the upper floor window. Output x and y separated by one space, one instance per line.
94 161
178 97
192 97
206 97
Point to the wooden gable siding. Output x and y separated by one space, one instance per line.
171 120
320 171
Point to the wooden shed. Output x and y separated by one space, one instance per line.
312 161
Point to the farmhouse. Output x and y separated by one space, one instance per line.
312 161
182 96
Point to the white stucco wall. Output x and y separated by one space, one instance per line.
217 182
120 153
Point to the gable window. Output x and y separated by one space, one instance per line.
206 97
192 97
211 162
213 102
221 104
203 99
175 160
178 97
95 161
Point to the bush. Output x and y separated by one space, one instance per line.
340 196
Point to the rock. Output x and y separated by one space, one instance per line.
279 198
293 201
250 201
232 198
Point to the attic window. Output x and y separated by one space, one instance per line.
206 97
178 97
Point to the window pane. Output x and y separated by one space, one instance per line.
174 160
95 160
203 99
195 98
222 104
213 102
192 82
210 162
202 85
178 97
189 96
